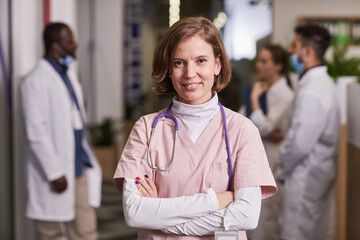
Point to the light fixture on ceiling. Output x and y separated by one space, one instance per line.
174 11
220 20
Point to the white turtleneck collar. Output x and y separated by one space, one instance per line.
195 117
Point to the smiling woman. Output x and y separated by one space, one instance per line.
218 170
193 70
163 62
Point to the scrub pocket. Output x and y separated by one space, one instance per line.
219 176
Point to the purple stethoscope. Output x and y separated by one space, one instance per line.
168 115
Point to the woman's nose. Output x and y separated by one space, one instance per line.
190 71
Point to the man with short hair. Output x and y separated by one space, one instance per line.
308 158
61 166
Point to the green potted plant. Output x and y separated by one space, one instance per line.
104 134
340 65
344 70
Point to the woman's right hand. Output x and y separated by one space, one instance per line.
224 199
146 187
258 89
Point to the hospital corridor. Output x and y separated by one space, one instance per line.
179 119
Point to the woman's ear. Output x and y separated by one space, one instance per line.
217 69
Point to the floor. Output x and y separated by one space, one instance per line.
111 223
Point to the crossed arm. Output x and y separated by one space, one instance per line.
199 214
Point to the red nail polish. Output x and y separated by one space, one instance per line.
137 178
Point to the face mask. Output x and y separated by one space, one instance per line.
65 59
296 64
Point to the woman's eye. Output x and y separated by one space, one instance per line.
201 60
178 63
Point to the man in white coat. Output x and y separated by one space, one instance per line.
63 175
308 159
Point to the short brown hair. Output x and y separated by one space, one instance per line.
181 30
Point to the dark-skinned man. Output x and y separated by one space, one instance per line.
61 166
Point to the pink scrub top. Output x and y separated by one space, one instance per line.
197 166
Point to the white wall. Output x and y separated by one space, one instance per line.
64 11
85 55
109 55
288 12
102 82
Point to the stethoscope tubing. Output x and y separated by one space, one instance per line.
227 145
168 115
148 151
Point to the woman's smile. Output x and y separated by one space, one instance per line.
194 68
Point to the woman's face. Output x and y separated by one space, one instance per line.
265 66
193 69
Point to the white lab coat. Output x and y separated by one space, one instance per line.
279 99
308 160
50 148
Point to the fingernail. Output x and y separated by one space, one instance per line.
146 176
137 182
137 178
139 189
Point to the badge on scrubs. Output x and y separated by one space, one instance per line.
77 121
226 235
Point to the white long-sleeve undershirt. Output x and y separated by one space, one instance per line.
243 214
191 215
159 213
